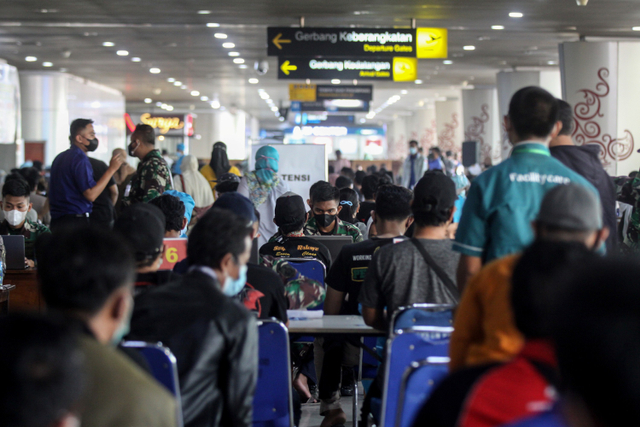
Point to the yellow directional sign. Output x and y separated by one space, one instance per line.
278 41
405 69
302 92
286 67
431 43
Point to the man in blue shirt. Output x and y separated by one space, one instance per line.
72 188
503 201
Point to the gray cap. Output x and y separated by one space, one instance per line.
572 207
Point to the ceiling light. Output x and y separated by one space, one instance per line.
215 104
274 108
447 62
163 106
158 104
469 47
551 62
169 108
243 66
254 81
204 12
31 59
195 93
516 14
183 87
171 80
497 27
238 61
363 120
154 70
177 83
47 64
204 98
135 59
220 35
281 119
228 45
234 53
335 81
122 53
636 28
148 100
213 25
264 95
418 82
108 44
404 91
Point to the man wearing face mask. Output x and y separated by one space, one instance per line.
16 204
72 188
213 337
325 207
153 176
87 275
414 166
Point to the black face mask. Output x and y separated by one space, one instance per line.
132 150
93 144
325 220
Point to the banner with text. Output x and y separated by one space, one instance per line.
399 69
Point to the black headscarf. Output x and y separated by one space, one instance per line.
219 161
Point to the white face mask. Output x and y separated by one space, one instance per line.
15 217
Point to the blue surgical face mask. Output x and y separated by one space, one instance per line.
413 150
232 287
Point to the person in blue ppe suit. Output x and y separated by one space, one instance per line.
175 168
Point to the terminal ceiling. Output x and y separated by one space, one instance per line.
173 35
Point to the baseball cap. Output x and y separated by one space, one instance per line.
290 210
571 206
238 204
228 177
142 225
434 192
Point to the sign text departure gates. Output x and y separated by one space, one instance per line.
360 42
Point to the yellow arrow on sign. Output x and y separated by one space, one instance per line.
277 41
286 67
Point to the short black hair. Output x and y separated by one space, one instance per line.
324 193
359 177
370 186
343 182
596 323
145 133
413 142
347 195
41 370
314 186
533 112
565 116
16 186
449 153
216 234
393 203
38 165
173 210
77 126
80 268
536 280
348 172
31 175
384 178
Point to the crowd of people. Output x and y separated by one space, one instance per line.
527 251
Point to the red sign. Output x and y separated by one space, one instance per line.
174 252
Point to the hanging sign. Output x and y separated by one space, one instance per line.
395 69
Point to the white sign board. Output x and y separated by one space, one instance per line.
300 166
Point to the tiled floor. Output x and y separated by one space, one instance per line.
311 413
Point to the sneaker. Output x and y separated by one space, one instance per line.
348 382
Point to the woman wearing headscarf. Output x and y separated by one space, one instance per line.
263 186
218 165
194 184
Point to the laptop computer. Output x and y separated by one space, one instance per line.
333 243
14 248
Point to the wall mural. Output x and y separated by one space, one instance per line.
446 139
476 132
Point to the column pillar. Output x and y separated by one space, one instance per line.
449 125
397 141
481 122
422 126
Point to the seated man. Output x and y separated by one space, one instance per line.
370 184
16 204
142 225
213 337
290 240
227 183
41 372
421 270
484 330
345 278
325 221
174 213
87 274
492 395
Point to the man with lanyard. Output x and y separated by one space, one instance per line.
325 221
153 176
16 204
392 216
72 189
414 166
503 201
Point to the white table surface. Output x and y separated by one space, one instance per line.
338 324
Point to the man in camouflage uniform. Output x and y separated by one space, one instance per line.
153 176
628 194
325 222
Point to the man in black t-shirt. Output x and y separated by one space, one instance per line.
369 188
392 217
290 241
